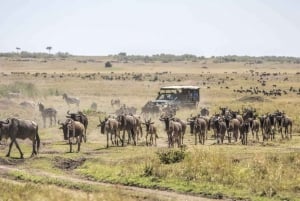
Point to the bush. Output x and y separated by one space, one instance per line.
171 156
108 64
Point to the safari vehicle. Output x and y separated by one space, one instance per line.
180 96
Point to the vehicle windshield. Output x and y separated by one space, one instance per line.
166 97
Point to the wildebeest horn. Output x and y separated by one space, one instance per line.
68 112
58 122
4 122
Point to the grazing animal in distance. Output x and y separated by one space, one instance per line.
20 129
71 100
47 113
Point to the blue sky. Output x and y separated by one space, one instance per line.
146 27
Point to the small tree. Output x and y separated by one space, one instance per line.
18 49
108 64
49 48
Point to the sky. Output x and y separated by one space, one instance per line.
147 27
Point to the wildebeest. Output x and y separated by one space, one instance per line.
73 130
200 129
287 124
71 100
269 127
255 128
204 112
82 118
111 127
234 128
183 127
152 131
139 128
116 102
173 129
94 106
244 130
47 113
17 128
126 110
128 123
221 129
150 108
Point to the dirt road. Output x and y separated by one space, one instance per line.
163 195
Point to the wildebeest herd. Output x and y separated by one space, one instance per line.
227 124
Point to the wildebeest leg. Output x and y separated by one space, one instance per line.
79 143
222 137
291 125
147 138
203 137
33 148
196 140
117 132
151 139
133 136
123 138
18 147
10 145
70 143
129 136
107 139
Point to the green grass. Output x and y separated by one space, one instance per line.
207 170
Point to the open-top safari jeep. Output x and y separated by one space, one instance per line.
180 96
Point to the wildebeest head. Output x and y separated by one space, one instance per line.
64 128
147 123
166 120
102 125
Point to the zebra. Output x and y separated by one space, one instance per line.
47 113
71 100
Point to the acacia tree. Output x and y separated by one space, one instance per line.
18 49
49 48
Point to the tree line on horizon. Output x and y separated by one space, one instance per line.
164 58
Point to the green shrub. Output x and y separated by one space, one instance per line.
171 156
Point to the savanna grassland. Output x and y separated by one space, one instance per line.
259 171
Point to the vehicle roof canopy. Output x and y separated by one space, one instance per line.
179 87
